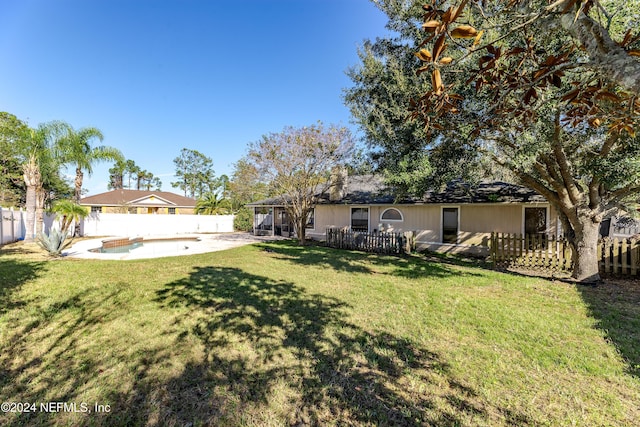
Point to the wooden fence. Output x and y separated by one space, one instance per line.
615 256
619 256
382 243
531 251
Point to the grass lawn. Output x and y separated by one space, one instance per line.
275 334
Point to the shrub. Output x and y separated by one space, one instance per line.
243 220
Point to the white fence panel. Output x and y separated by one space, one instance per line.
111 224
12 225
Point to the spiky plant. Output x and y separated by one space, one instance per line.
54 243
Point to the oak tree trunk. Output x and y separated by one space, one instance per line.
585 254
584 242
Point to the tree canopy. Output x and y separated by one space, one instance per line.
75 149
12 131
127 174
195 173
297 163
383 84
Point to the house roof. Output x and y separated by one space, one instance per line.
138 198
371 190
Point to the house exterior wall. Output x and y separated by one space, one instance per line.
161 210
475 223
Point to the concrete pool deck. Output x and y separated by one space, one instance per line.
207 243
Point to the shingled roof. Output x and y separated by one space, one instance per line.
131 197
371 190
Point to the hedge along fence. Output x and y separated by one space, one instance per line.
554 254
382 243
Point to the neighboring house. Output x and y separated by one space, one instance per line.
458 219
139 202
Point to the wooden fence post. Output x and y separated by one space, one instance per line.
633 253
624 254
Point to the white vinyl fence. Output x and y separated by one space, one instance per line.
112 224
13 224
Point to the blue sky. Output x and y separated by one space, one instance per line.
158 76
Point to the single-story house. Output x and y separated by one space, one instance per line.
459 218
139 202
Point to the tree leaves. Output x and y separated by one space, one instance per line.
524 71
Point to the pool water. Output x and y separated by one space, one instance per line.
150 247
117 249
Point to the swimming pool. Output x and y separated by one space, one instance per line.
146 246
161 245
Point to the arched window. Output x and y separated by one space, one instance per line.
391 214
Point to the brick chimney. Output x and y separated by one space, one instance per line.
338 183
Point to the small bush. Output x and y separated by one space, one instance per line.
243 220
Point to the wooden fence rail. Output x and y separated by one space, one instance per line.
615 256
383 243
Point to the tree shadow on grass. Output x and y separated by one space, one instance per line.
275 354
616 306
64 363
240 349
13 274
409 266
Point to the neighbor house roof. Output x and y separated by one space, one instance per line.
371 190
138 198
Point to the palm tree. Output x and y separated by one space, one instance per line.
39 158
76 149
33 150
68 211
32 180
210 204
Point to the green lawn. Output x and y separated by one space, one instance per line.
276 334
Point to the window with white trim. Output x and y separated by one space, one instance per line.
391 214
360 219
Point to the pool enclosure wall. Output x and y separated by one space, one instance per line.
272 221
